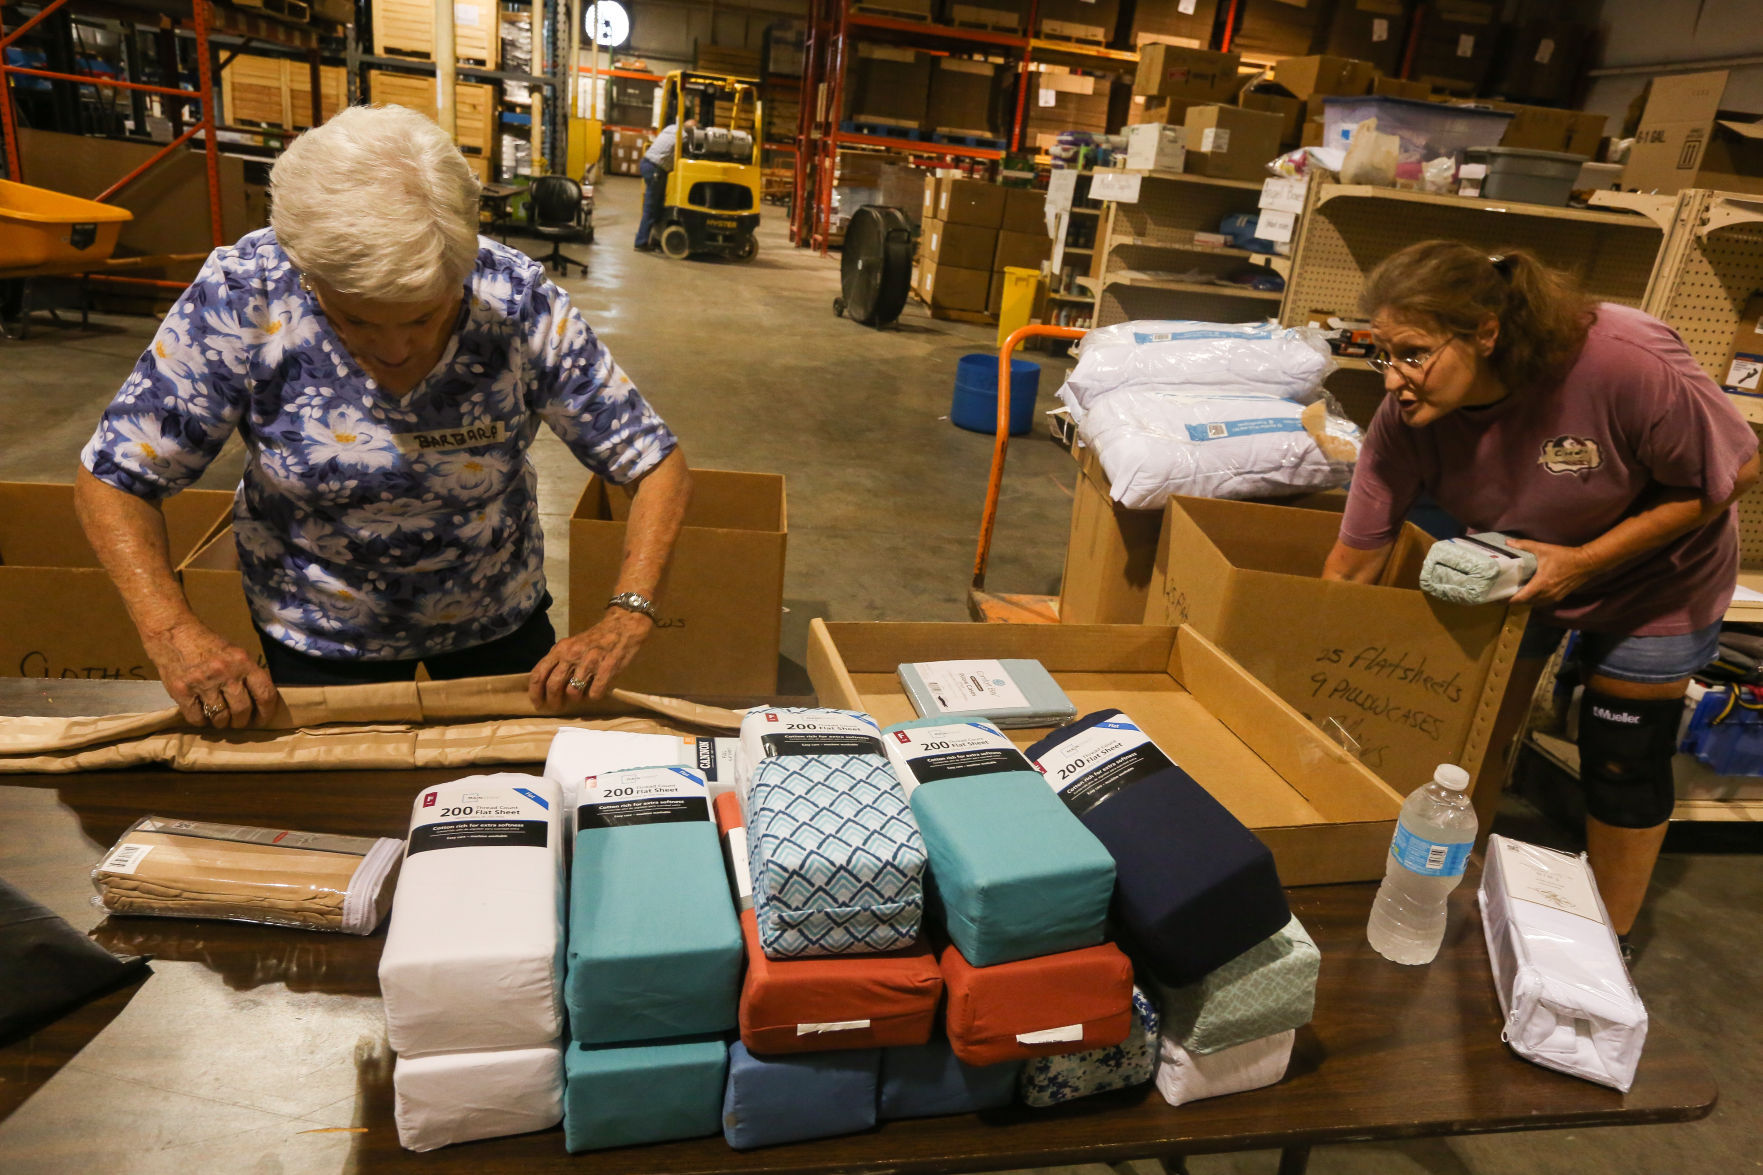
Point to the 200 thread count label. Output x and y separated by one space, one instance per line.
929 754
646 795
1099 762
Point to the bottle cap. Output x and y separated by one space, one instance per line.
1452 776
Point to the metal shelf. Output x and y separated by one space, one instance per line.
1204 250
1334 192
1692 775
1182 177
939 32
1198 288
1090 52
915 147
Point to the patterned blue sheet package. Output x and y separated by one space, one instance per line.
837 861
1047 1081
778 1099
925 1080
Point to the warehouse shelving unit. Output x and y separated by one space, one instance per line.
1156 233
1703 795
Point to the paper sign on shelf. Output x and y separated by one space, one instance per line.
1380 30
1276 226
1545 50
1466 45
1118 187
1280 194
1186 7
465 15
1047 97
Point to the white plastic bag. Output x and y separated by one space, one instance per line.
1250 358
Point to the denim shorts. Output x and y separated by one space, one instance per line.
1648 660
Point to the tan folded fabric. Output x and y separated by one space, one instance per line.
408 724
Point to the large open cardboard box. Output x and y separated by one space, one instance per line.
721 601
1685 139
216 592
1415 682
64 617
1323 814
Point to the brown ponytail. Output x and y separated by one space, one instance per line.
1543 313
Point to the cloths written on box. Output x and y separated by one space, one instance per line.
654 945
927 1080
836 857
1184 1077
1010 693
1047 1081
446 1098
1268 989
818 1005
1195 888
773 1100
635 1094
195 869
473 957
1016 873
1066 1003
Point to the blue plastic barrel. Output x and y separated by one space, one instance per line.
976 394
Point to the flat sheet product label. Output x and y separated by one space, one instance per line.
818 734
645 795
971 687
1429 858
740 876
125 858
714 757
928 754
1098 763
353 846
1560 881
503 818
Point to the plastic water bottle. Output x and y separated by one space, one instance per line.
1427 859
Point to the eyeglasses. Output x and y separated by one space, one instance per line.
1409 365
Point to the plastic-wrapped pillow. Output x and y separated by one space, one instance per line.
1251 358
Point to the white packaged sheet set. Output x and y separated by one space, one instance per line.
444 1098
579 751
1568 1000
473 957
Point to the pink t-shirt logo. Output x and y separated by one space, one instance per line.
1570 455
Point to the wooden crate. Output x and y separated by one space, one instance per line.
406 28
475 119
274 91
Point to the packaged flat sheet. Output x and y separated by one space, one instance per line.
1047 1081
195 869
627 1095
837 860
928 1080
775 732
445 1098
654 944
1195 888
578 752
819 1005
1043 1007
474 955
773 1100
1475 569
1018 875
1012 693
1269 988
1184 1077
1568 999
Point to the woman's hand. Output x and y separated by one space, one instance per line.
1561 571
585 664
213 681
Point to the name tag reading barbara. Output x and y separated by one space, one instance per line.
444 440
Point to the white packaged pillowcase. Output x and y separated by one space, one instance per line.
1568 1000
1154 444
1184 1077
1200 358
445 1098
474 955
580 751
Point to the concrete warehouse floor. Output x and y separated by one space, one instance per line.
750 367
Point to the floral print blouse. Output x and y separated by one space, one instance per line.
368 526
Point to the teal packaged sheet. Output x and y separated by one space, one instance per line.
1018 875
642 1093
655 946
1014 693
1268 989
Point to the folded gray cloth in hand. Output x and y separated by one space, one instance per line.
1475 569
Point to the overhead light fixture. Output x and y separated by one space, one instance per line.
607 23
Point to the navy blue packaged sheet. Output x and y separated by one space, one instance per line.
1195 888
925 1080
772 1100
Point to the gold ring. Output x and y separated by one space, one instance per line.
212 711
577 684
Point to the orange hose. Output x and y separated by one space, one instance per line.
1002 442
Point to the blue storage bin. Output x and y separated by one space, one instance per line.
1727 734
975 407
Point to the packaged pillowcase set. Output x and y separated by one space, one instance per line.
1476 569
275 876
1012 693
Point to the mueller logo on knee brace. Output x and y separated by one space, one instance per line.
1616 716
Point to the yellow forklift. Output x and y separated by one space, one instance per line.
713 190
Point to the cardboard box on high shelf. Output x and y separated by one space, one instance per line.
963 97
1415 682
721 601
1003 16
1273 98
1319 76
931 194
1228 142
1456 45
1685 141
216 591
962 201
1369 30
64 617
888 86
962 246
1191 75
1025 211
1156 146
1326 817
1078 20
1268 29
1543 60
1174 22
1744 363
947 288
1543 128
1388 87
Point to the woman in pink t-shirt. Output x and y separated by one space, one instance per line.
1588 434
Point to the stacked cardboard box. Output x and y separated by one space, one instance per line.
1171 78
276 92
1456 44
1543 61
728 60
1312 79
627 152
406 28
1004 16
888 85
1023 242
785 42
1230 142
1268 29
963 97
1369 30
1685 140
957 244
1089 21
1174 22
1543 128
864 177
1060 100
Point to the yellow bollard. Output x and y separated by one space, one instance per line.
1024 300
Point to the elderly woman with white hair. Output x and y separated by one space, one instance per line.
386 369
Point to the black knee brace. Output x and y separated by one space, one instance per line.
1625 749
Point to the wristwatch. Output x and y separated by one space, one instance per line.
633 602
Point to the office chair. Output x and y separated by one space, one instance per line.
554 212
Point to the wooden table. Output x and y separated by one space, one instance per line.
253 1048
